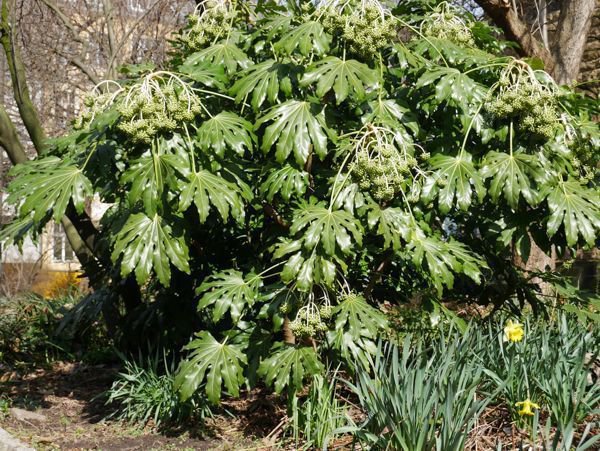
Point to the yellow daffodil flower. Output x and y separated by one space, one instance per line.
526 406
513 331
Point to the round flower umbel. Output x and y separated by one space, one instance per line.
527 97
525 407
445 23
101 98
365 25
160 102
384 163
513 331
311 318
212 20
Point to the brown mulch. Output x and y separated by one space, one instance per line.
67 394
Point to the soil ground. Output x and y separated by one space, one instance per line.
67 394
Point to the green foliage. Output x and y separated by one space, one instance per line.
453 376
346 78
317 417
436 413
220 361
143 391
331 147
229 290
48 186
148 243
289 366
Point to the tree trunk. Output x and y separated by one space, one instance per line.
81 240
572 31
566 44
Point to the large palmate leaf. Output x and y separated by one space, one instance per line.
355 315
294 127
286 181
306 272
229 291
220 362
453 86
440 259
331 230
309 37
575 207
345 77
222 53
357 326
457 177
392 114
150 175
262 82
206 189
46 185
393 224
146 244
351 348
17 230
211 76
288 366
511 175
226 130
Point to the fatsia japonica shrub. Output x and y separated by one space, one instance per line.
297 164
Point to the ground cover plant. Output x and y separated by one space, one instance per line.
292 169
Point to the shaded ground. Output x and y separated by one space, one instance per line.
67 395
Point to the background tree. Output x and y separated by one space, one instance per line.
56 51
555 31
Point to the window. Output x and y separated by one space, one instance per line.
61 249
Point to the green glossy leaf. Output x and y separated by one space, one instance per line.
391 113
149 176
392 223
17 230
223 54
221 363
331 230
260 82
453 86
458 178
294 128
355 315
289 366
345 77
229 291
226 130
441 259
211 76
286 181
146 244
511 176
309 37
576 208
208 190
48 184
